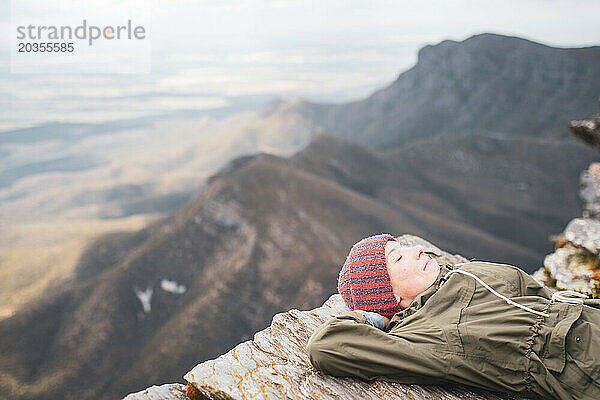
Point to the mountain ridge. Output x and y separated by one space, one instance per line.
453 86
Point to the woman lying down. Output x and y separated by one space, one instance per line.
482 324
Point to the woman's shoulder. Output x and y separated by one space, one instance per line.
485 266
493 271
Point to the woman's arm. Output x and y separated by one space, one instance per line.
348 346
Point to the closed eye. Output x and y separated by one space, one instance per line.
395 259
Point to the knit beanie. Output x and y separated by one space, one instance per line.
364 282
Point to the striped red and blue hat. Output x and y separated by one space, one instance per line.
364 282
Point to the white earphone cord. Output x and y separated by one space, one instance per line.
509 301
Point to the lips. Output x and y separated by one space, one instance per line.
426 264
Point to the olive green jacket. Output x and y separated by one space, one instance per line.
460 332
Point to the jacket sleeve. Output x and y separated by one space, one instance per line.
348 346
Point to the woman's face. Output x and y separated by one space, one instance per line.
410 270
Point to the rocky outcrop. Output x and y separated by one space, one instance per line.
275 365
486 83
587 130
575 264
572 268
584 233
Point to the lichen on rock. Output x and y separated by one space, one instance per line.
573 268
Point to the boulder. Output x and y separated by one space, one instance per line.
573 268
575 263
584 233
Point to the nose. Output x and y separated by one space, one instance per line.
418 251
414 252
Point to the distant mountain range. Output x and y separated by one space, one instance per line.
487 83
268 233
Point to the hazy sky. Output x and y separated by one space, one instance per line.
326 50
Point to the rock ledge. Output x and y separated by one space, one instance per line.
275 364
